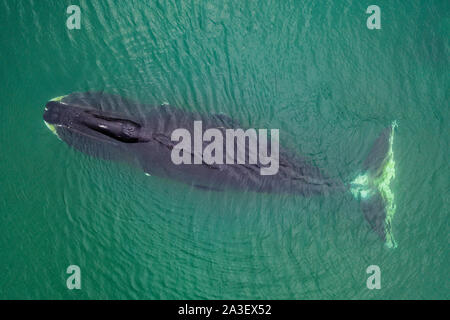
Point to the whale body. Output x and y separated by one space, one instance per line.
114 128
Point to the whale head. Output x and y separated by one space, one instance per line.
61 117
89 129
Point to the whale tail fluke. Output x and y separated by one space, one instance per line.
372 188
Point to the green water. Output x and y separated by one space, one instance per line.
310 68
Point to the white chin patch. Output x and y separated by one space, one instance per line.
52 129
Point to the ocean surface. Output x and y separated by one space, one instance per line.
309 68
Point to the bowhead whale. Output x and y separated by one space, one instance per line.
114 128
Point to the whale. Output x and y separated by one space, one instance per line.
112 127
